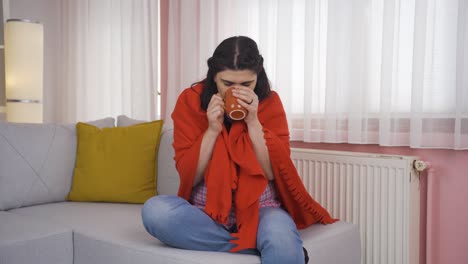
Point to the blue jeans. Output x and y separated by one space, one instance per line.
177 223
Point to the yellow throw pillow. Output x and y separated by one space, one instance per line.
116 164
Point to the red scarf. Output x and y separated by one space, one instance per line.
249 182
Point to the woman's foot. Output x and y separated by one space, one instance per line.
306 256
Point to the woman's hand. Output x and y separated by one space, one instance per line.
247 98
215 114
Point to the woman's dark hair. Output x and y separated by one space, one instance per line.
235 53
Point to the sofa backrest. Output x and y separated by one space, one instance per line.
37 162
167 178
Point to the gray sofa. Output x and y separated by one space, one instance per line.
38 225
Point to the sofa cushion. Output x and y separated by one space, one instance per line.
24 240
114 233
116 164
37 161
335 243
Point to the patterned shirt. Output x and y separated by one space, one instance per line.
269 198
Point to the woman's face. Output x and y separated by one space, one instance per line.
229 78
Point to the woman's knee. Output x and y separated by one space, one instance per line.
278 238
158 212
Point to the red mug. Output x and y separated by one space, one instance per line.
233 109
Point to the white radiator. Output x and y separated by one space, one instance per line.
380 193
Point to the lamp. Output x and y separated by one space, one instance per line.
24 56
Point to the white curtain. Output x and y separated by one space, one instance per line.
387 72
109 59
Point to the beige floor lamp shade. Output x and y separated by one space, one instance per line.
24 59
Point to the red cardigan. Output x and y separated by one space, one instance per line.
235 148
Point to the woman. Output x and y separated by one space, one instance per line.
239 189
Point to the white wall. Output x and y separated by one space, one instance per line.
48 13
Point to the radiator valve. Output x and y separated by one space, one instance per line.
420 165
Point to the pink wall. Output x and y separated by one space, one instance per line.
446 240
